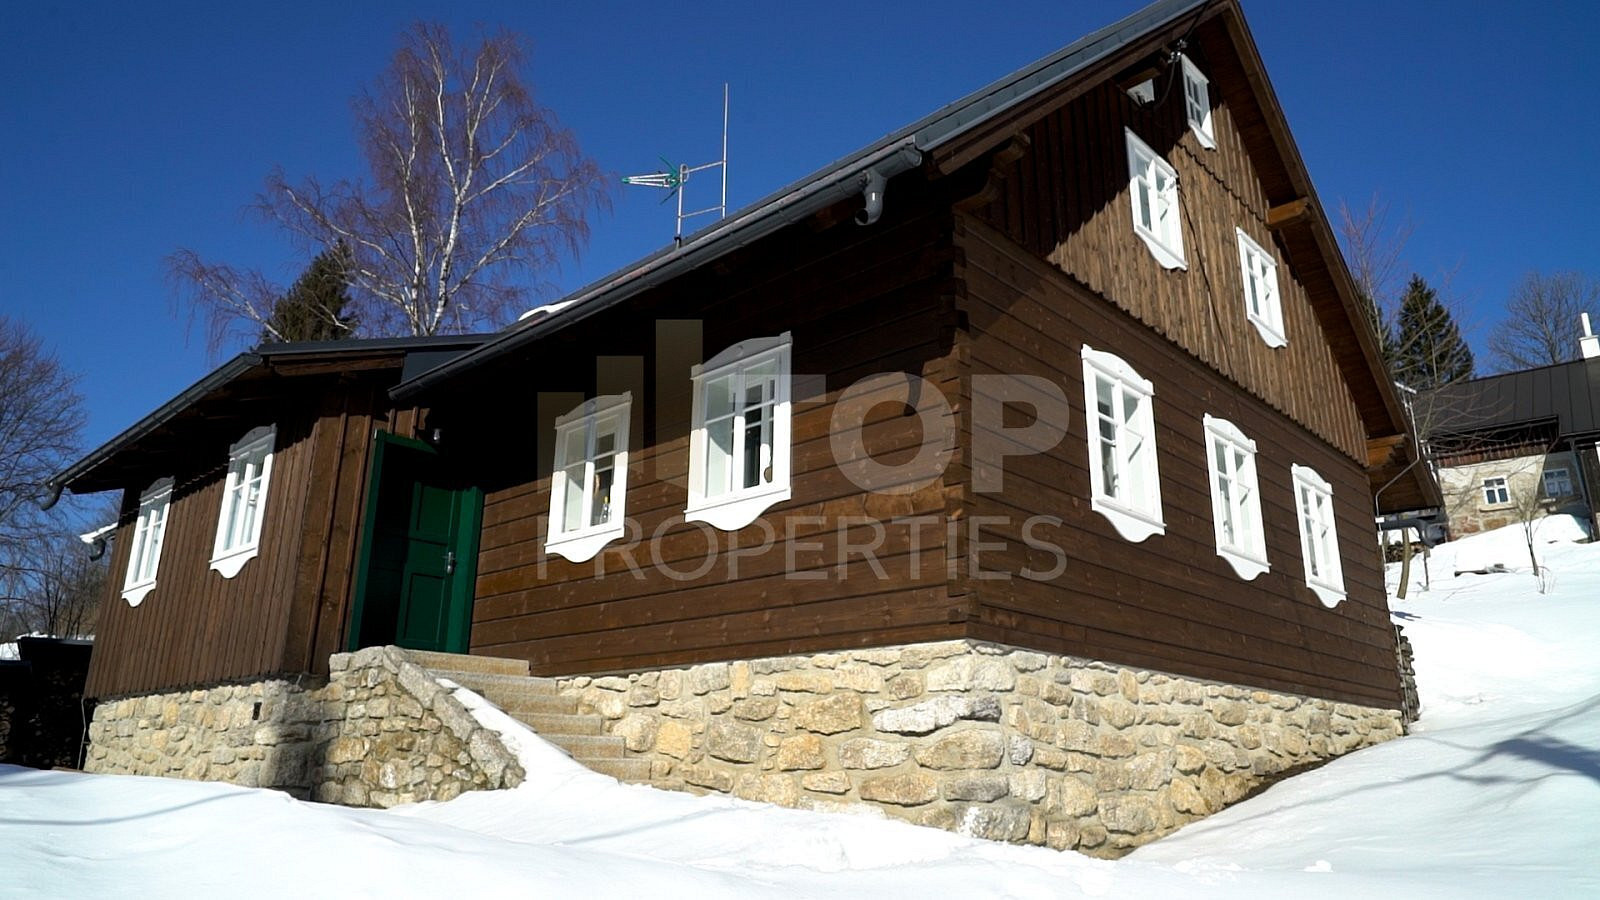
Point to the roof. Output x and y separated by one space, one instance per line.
1566 393
267 358
896 152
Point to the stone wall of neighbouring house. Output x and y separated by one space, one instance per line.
977 738
381 731
1470 511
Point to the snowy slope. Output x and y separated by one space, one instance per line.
1497 792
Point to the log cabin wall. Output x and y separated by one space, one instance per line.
859 301
1169 602
286 609
1066 200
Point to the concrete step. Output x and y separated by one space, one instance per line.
587 748
464 662
484 683
561 723
531 704
635 770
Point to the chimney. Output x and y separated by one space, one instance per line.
1589 343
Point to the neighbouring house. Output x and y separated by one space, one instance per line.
1520 446
1013 475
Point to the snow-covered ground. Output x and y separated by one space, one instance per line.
1496 793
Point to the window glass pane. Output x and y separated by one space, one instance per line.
719 397
719 457
605 443
574 449
1105 400
600 496
572 502
1144 201
757 467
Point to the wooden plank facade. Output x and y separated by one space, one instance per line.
287 609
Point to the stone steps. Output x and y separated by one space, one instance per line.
466 663
536 703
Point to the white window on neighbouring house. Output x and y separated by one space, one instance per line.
739 448
1259 273
1153 184
1495 492
244 501
1125 484
149 529
1319 540
1235 498
1197 104
1557 483
589 482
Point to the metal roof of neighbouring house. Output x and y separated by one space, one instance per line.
266 362
1566 393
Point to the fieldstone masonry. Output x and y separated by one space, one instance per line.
978 738
380 732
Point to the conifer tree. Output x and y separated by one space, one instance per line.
314 307
1428 350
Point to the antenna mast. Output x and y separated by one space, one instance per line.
675 177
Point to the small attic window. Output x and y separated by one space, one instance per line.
149 531
1153 186
1144 93
1197 103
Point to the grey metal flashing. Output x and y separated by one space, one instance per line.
895 153
1567 394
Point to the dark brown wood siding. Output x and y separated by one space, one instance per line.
286 609
1066 200
859 301
1169 602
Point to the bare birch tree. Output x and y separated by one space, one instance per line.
1374 249
1541 324
474 189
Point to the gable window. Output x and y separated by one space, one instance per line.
1125 486
149 529
244 501
1495 492
1235 498
1153 184
1557 483
1259 273
589 483
739 449
1197 104
1319 542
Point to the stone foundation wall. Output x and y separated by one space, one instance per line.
978 738
380 732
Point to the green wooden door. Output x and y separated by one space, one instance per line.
414 588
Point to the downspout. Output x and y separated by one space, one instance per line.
53 497
874 180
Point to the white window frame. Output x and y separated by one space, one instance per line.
1197 104
590 418
1135 517
1235 498
1258 276
1496 485
737 507
1146 169
1319 535
149 533
249 462
1563 475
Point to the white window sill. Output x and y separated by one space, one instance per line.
1206 140
1134 525
1247 566
734 511
581 546
1329 595
1272 336
1164 255
135 594
229 564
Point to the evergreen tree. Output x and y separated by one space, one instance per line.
1427 351
314 307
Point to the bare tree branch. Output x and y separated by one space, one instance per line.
1541 326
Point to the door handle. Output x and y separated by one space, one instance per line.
449 562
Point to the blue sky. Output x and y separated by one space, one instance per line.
130 130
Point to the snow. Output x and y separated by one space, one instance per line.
1496 792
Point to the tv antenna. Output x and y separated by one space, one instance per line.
674 178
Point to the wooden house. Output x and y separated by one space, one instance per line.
1068 373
